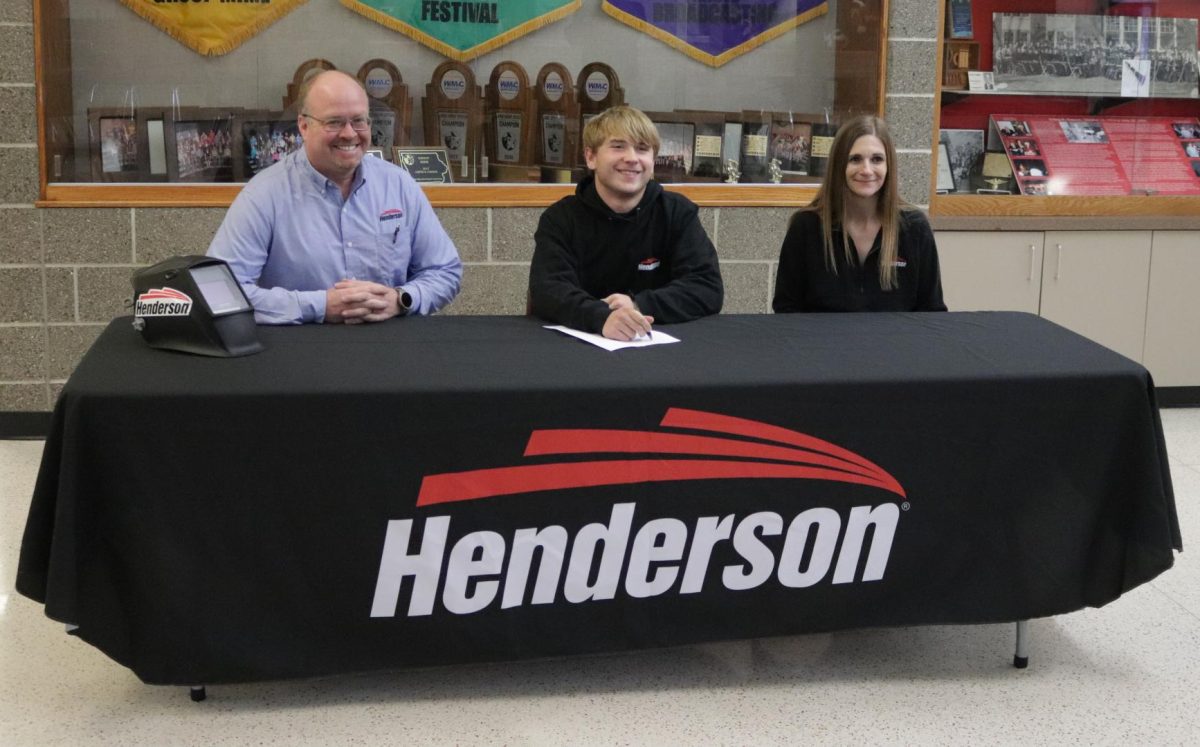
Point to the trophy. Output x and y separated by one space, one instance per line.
306 70
599 89
390 105
509 124
558 123
451 109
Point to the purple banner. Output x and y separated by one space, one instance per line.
714 31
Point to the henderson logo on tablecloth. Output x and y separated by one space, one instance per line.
477 558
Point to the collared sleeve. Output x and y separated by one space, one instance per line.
695 289
435 270
244 241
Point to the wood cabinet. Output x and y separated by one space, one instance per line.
1172 349
1095 283
1000 271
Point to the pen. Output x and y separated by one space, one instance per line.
395 234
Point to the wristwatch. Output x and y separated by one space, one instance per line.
405 298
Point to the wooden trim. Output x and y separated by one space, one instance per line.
471 195
1016 205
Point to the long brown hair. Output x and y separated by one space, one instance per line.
830 202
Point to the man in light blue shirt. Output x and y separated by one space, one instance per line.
327 235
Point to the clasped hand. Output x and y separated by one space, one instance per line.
358 301
624 321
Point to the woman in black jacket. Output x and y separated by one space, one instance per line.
857 247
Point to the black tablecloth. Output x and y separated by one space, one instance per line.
213 520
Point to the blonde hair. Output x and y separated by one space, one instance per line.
830 202
623 122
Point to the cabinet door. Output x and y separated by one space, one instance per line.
991 271
1172 313
1095 283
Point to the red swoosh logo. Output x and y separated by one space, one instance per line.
800 457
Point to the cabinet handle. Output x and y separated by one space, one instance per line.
1032 257
1057 261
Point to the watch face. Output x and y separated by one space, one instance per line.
405 300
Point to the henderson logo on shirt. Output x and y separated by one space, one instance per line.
391 214
486 568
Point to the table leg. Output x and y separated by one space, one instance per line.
1021 657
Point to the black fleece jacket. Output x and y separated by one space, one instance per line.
803 283
658 254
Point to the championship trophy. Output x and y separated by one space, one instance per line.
451 110
558 124
599 88
390 105
510 125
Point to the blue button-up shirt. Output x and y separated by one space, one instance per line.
289 236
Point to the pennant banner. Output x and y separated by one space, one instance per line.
714 31
460 29
212 27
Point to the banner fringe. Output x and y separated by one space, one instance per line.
700 55
207 47
454 53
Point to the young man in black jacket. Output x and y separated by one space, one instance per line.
622 253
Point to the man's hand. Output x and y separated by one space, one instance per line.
626 323
358 301
619 301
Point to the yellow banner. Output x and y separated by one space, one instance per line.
212 27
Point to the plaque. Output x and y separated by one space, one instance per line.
756 137
558 122
958 20
510 118
598 88
391 106
426 165
822 145
306 70
452 115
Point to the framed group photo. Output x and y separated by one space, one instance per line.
200 146
676 133
260 139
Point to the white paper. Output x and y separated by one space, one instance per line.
655 338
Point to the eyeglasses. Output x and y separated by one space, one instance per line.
337 124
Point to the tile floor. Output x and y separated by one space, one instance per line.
1125 674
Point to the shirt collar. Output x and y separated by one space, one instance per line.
321 182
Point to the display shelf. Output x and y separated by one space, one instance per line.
971 110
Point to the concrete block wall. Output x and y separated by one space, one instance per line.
64 272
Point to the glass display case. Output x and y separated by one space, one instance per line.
1068 108
484 103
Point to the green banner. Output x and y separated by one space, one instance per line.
460 29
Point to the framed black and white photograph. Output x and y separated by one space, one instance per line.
1095 55
965 151
200 146
261 139
113 137
945 177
